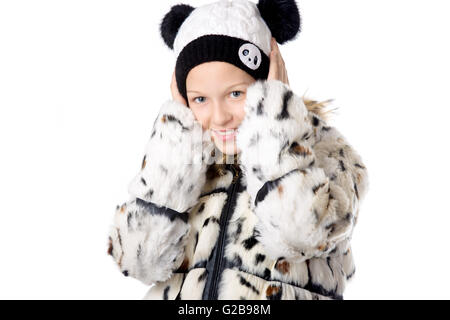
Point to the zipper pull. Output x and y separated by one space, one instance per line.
236 174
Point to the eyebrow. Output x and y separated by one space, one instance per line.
233 85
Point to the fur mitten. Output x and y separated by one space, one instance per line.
176 158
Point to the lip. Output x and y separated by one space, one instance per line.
224 137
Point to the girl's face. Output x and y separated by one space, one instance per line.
216 93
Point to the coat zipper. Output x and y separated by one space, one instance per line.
221 241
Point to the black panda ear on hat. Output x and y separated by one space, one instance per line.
172 22
282 17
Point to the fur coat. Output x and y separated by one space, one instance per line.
275 223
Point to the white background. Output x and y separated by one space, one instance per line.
81 82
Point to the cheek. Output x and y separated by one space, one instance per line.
240 114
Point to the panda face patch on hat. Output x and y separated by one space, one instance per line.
250 55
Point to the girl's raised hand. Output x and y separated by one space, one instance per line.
176 95
277 69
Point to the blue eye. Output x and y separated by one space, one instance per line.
195 99
236 96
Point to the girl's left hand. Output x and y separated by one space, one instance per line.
277 69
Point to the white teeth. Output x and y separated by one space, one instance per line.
224 133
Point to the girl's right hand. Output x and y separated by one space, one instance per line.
176 95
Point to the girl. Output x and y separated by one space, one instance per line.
244 190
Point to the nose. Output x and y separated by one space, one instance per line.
221 116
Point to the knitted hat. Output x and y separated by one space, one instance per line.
237 32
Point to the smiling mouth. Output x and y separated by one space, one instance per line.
226 134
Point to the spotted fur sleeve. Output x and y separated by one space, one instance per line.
305 181
146 241
148 235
